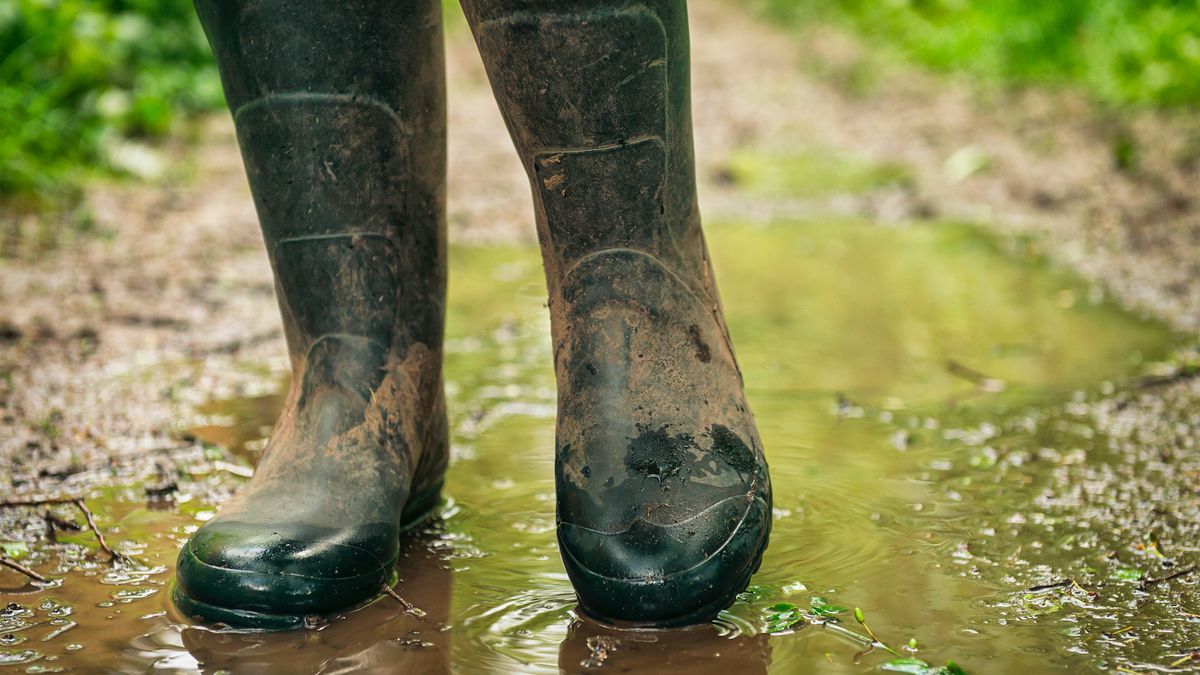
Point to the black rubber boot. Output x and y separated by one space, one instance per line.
664 502
339 109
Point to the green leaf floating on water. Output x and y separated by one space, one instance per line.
907 665
14 549
784 616
1127 574
916 666
821 607
755 593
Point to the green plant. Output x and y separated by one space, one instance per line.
1122 51
82 76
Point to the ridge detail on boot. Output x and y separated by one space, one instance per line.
334 164
632 41
626 179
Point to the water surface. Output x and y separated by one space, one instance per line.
914 389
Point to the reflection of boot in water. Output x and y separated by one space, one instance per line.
700 650
340 114
382 637
664 503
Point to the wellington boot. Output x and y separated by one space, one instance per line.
343 140
664 500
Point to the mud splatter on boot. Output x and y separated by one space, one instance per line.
343 139
664 502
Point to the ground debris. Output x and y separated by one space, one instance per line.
79 503
600 648
408 606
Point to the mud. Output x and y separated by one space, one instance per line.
152 348
921 535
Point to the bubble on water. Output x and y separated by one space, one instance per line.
131 594
13 610
794 587
131 576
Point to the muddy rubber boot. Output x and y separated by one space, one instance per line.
340 116
664 502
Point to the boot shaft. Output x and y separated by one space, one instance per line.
596 96
340 115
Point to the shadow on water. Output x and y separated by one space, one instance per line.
870 354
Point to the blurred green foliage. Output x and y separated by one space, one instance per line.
1122 51
78 77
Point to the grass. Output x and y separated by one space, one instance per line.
87 86
1123 52
84 77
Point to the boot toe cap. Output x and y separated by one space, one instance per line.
271 576
668 574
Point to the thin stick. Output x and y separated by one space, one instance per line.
61 523
1046 587
408 606
79 504
91 522
18 567
985 383
1150 582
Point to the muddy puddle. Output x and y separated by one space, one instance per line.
943 419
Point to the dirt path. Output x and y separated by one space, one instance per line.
107 345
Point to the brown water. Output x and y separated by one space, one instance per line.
928 399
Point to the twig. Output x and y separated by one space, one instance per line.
61 523
858 656
861 618
1147 583
18 567
840 630
1190 656
408 606
79 504
1151 381
985 383
91 522
1046 587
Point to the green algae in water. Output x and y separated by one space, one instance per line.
812 173
875 359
